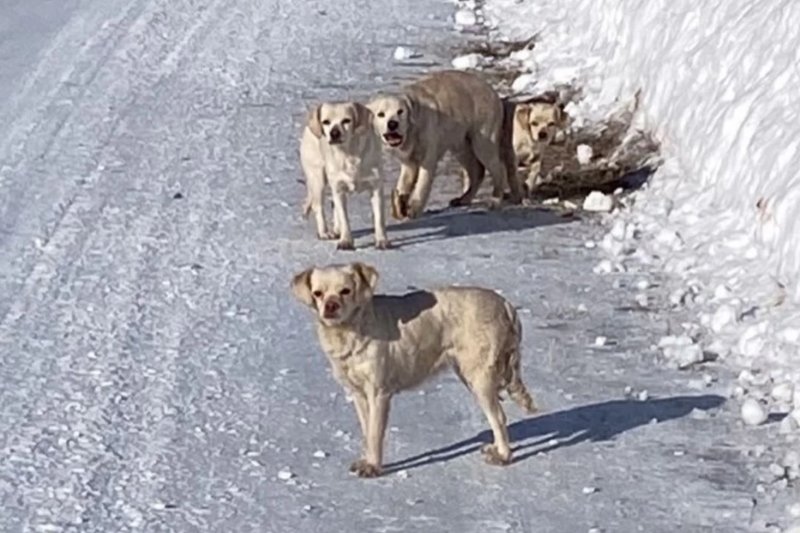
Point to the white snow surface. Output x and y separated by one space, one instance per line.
156 374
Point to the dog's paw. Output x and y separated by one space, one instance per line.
493 456
328 235
415 209
383 244
459 201
345 245
362 468
399 205
494 204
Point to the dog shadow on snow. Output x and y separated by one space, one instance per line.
449 223
549 432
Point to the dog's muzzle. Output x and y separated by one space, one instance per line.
335 135
393 138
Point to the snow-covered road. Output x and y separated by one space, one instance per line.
155 373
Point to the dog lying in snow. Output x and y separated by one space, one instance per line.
339 147
445 111
535 126
380 345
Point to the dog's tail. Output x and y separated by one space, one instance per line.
512 375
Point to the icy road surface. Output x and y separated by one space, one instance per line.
155 373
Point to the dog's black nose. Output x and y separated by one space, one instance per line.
392 125
542 135
336 133
331 306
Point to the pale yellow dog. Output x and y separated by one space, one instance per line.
380 345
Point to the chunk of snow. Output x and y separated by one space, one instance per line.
783 392
584 154
753 413
681 350
598 202
285 474
600 341
403 53
523 82
319 454
589 490
724 316
604 267
643 396
468 61
466 17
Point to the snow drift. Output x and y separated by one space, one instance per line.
719 82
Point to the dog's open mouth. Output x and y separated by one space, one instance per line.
393 139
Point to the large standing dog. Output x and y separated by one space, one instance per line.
380 345
339 146
451 111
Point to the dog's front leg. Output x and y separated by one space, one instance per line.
377 417
378 217
340 213
422 189
402 191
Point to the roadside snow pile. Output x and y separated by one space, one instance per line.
722 214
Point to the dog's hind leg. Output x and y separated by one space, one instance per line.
488 152
475 172
485 388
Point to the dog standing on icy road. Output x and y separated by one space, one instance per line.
451 111
339 146
380 345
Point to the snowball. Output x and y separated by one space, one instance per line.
523 82
681 350
603 267
788 425
598 202
402 53
783 392
467 61
642 284
753 413
285 474
600 341
590 244
319 454
723 316
589 490
618 230
643 396
584 154
466 17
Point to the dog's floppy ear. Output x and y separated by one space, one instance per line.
363 117
367 276
313 122
301 287
559 114
411 108
522 113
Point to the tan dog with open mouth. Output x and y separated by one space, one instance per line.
447 111
339 146
536 124
380 345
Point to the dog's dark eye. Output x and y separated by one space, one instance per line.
346 121
551 124
344 292
326 122
317 294
399 112
534 123
381 114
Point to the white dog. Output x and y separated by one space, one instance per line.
447 111
380 345
340 147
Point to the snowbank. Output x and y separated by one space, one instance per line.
719 83
720 89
